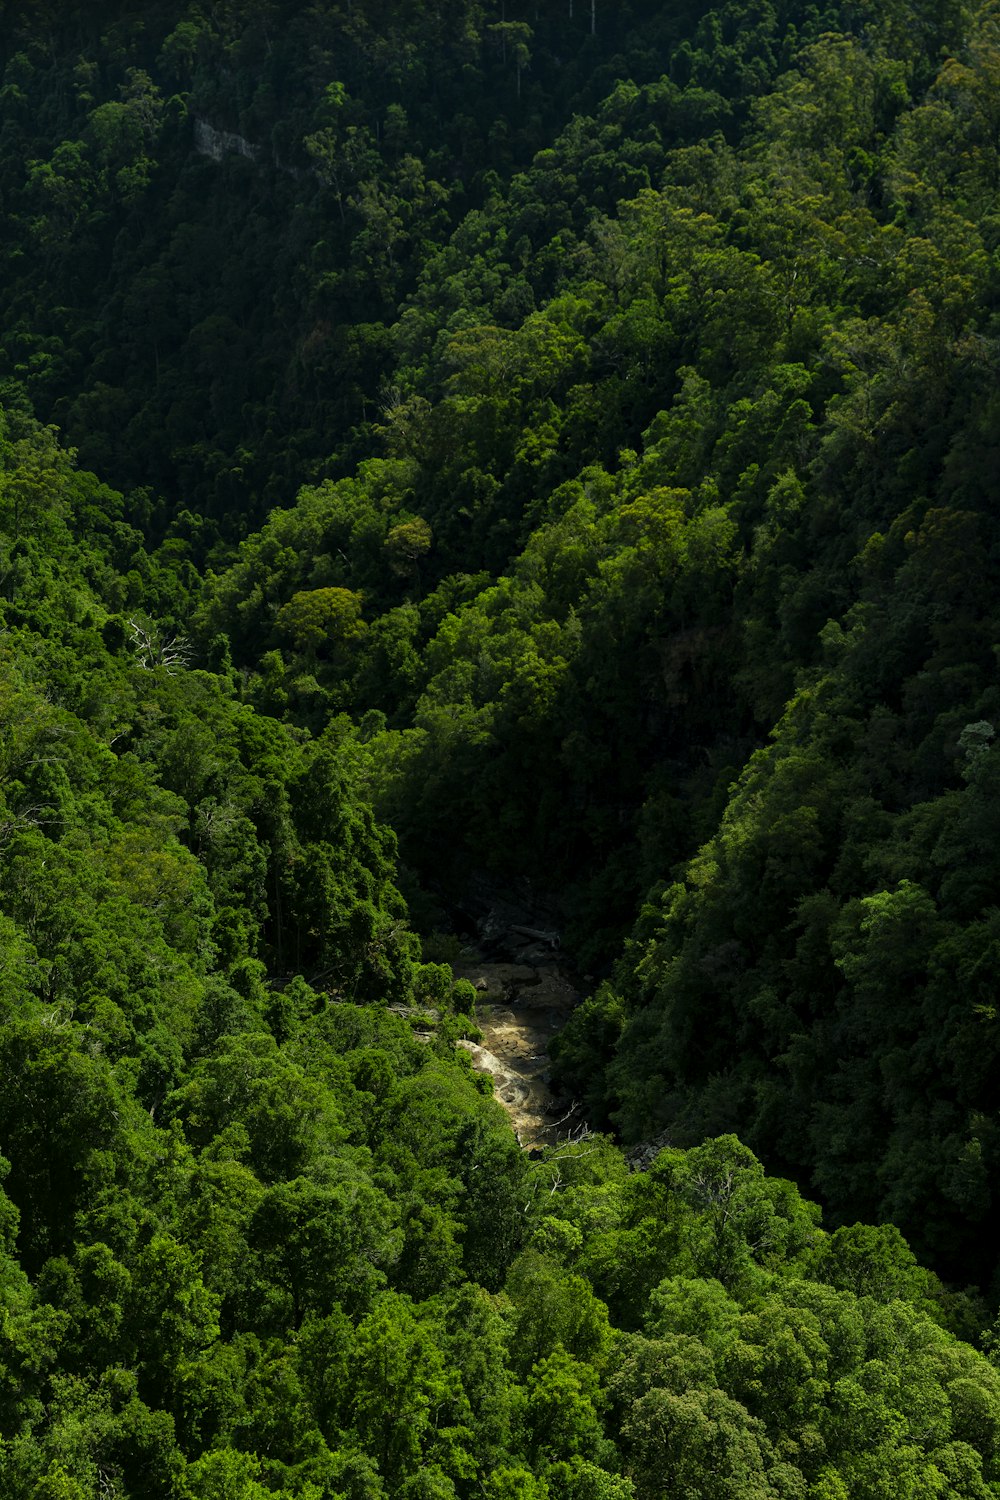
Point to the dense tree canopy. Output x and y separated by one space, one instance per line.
548 442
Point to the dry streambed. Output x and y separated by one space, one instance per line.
520 1008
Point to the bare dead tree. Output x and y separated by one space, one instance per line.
155 649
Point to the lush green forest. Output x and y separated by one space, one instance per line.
547 443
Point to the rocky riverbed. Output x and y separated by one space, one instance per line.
524 996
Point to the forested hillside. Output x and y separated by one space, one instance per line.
543 446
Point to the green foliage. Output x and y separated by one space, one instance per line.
321 618
558 446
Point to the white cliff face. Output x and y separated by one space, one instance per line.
219 143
